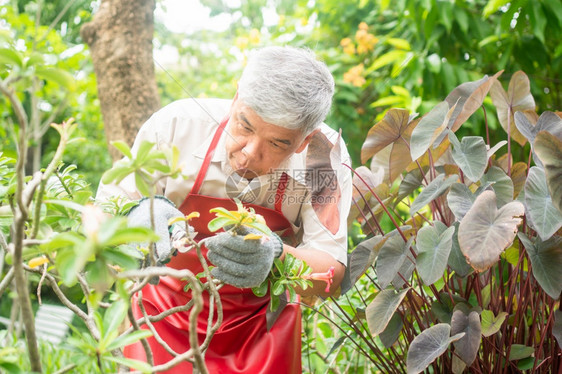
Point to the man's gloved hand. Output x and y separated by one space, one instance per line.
164 210
243 263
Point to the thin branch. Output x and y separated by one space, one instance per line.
6 281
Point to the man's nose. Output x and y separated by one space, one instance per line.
252 150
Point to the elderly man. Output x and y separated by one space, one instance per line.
272 151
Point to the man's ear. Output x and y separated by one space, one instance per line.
306 140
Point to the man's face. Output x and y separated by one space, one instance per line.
255 147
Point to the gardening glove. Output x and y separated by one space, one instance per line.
243 263
164 210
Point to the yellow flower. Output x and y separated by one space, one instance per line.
355 76
254 37
241 42
348 46
365 40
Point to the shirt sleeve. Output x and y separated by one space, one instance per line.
315 234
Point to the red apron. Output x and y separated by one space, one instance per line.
242 344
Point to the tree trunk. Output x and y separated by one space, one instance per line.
120 41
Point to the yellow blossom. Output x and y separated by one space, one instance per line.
355 75
348 46
241 42
365 40
254 37
363 26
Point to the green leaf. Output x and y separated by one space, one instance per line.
382 308
128 339
411 182
386 59
548 121
141 184
546 262
261 290
492 6
399 43
485 232
391 257
392 330
490 323
470 155
457 261
143 151
460 199
278 287
432 191
59 76
519 351
543 216
116 174
429 128
362 257
130 363
219 222
131 235
123 148
114 315
10 57
429 345
501 184
467 346
549 150
433 247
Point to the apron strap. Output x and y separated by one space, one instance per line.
210 152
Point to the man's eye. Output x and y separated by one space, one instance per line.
245 128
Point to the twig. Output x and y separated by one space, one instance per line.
6 281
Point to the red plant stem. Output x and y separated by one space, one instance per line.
373 231
486 126
509 141
545 331
381 203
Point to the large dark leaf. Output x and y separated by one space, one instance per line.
389 142
434 245
501 184
411 182
429 128
541 213
470 154
457 261
392 330
469 323
517 98
549 150
460 199
468 97
432 191
546 260
363 256
382 308
395 124
429 345
391 258
548 121
485 232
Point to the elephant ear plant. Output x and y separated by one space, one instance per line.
460 266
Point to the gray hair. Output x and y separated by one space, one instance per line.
287 87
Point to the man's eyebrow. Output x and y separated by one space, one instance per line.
243 118
284 141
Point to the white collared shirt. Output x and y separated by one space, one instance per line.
190 125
